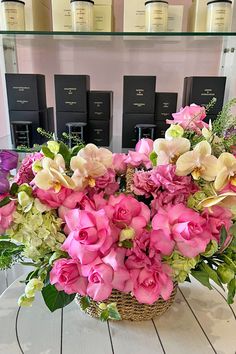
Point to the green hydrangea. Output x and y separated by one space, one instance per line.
40 233
181 266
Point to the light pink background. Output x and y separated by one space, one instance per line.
107 60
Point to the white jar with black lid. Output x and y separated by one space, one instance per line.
219 15
13 15
156 15
82 15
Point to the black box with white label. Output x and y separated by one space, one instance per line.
72 93
202 89
129 133
139 94
166 105
99 132
100 105
26 92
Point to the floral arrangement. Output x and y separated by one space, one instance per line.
84 227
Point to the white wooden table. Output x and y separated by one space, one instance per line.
200 322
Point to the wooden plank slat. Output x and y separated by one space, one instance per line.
214 315
224 296
179 332
8 312
84 335
2 281
135 337
39 330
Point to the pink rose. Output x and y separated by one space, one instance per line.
216 218
51 198
119 163
141 155
190 118
182 225
25 173
107 182
6 215
149 283
66 275
90 235
143 184
127 211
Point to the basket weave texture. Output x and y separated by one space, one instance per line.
129 308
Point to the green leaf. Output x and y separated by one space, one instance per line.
153 158
85 303
104 315
127 244
76 149
14 189
55 299
212 274
223 236
47 152
231 291
65 152
202 277
4 202
114 314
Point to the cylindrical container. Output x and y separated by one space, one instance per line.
82 15
219 15
156 15
13 15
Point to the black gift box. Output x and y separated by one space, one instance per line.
99 132
100 105
38 119
161 128
166 104
64 118
129 133
50 120
72 93
139 94
201 89
26 92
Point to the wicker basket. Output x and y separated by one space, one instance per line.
129 308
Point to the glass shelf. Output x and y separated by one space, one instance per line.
117 34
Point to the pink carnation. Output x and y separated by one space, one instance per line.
25 173
6 215
181 228
66 275
90 235
164 176
51 198
190 118
141 155
143 184
107 182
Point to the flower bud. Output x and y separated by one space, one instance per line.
25 301
127 234
225 273
102 306
32 287
25 201
53 146
175 131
